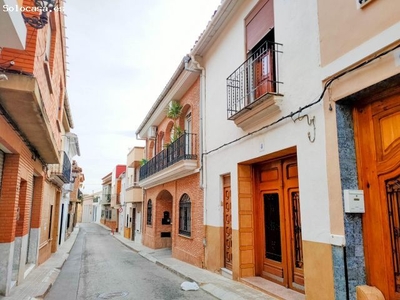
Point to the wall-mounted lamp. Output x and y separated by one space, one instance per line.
38 22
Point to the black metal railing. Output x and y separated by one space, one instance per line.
181 149
256 77
66 169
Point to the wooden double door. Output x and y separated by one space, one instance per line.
377 136
279 254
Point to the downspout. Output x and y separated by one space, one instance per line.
197 68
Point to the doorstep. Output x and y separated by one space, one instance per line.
271 288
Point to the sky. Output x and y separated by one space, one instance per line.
121 54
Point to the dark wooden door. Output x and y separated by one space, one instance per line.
377 132
278 223
133 225
227 223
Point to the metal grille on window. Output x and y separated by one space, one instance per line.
297 230
393 201
185 215
149 212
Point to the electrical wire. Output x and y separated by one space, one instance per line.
326 86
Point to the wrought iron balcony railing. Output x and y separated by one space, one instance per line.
181 149
255 78
61 171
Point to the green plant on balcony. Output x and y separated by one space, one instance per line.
143 162
174 112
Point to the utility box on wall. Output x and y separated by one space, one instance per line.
354 201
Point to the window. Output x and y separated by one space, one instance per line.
149 212
253 88
188 131
259 45
185 218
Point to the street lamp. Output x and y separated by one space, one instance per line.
38 22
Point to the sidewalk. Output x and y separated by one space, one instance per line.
40 280
214 284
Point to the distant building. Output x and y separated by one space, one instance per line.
133 206
91 208
111 198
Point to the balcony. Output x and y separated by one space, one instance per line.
253 88
133 194
135 156
178 160
22 104
60 174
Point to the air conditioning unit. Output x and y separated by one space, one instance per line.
151 134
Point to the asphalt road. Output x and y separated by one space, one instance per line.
100 267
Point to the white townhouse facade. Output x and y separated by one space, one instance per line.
266 207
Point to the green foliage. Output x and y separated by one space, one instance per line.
174 112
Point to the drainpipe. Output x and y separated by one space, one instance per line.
191 65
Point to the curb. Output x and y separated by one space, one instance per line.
176 272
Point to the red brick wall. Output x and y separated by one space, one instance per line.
9 198
190 100
188 249
111 224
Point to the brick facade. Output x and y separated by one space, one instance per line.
166 197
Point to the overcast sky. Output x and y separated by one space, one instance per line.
121 54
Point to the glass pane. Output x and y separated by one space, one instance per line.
272 227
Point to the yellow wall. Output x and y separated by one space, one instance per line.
343 26
318 270
214 252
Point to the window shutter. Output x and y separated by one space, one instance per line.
259 22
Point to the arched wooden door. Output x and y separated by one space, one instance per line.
377 132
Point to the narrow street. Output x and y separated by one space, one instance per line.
100 267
